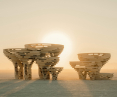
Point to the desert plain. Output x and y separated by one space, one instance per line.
67 85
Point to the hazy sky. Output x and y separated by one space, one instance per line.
86 25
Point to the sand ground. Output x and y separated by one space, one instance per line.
67 85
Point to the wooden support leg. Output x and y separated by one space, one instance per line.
40 73
16 71
48 75
27 68
21 72
29 72
93 75
82 74
54 71
45 73
25 72
20 69
54 76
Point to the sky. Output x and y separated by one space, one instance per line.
83 26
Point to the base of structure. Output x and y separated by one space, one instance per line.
54 71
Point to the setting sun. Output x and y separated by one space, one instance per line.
57 37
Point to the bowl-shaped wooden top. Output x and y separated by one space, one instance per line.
54 49
94 57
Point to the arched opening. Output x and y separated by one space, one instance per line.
35 71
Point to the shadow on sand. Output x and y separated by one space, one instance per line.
59 88
33 88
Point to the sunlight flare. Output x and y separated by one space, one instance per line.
57 37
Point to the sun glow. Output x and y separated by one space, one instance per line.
57 37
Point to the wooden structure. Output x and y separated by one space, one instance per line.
90 64
45 55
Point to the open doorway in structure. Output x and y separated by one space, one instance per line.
35 71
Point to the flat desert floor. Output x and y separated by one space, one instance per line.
67 85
